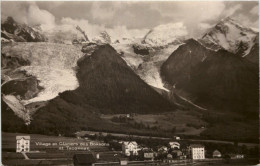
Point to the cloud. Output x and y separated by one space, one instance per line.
187 11
101 12
93 30
255 10
129 18
42 17
69 24
17 10
230 11
29 13
204 26
120 32
247 22
194 15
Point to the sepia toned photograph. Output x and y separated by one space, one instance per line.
141 83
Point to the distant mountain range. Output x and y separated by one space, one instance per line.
56 84
213 78
13 31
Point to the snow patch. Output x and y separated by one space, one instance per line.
54 81
127 53
150 69
232 36
163 35
52 64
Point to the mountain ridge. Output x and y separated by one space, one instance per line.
13 31
213 77
228 34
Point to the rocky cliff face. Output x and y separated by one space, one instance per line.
228 34
217 80
106 82
178 67
13 31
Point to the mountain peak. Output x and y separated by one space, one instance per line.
230 35
164 35
227 19
191 41
236 23
13 31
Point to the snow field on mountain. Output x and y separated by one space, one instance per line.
163 35
229 34
133 60
150 70
54 81
52 64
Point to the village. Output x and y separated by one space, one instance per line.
122 152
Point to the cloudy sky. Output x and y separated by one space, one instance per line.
135 16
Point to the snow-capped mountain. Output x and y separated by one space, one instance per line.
161 37
149 70
52 64
166 34
147 66
103 38
13 31
127 53
231 36
146 55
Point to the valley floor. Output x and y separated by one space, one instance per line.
50 155
249 145
178 122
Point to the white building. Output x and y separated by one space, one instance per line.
216 154
163 149
177 138
197 151
174 145
22 143
130 148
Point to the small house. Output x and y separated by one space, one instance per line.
182 157
177 138
22 143
176 153
130 148
148 155
169 156
84 159
174 145
123 161
197 151
216 154
169 159
162 149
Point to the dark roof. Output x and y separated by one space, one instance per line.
84 158
216 152
196 146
